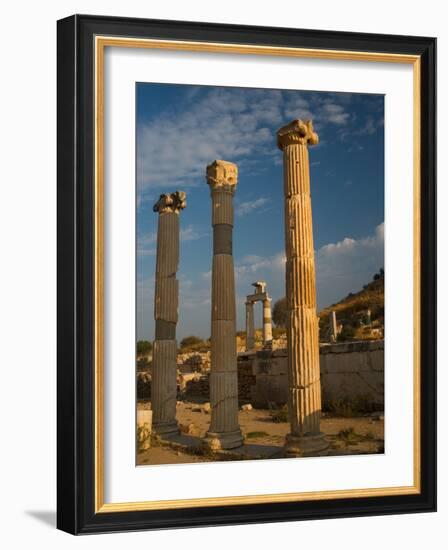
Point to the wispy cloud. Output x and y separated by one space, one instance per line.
234 124
191 233
247 207
174 149
335 113
146 244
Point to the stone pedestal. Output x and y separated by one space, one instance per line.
224 431
304 392
166 298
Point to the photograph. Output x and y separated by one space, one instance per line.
259 273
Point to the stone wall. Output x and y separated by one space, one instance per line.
351 373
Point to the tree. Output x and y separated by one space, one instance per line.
279 313
190 341
143 347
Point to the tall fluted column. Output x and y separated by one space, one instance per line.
224 431
166 298
250 327
267 322
304 395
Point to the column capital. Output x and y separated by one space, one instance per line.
222 175
260 287
297 132
171 203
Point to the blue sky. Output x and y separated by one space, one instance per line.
181 129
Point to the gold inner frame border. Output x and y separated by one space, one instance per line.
101 42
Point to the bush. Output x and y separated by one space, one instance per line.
279 415
201 347
278 332
144 347
279 313
190 341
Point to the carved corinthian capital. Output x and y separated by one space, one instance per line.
297 132
171 202
222 175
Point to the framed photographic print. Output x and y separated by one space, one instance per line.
246 274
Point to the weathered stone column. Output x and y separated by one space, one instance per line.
250 327
166 298
224 431
304 399
333 326
267 322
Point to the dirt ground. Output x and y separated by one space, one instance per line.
353 435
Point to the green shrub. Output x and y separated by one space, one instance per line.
190 341
280 415
279 313
144 347
254 435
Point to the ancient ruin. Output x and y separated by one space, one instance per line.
166 298
283 380
224 431
259 295
304 403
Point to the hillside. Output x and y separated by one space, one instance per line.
352 312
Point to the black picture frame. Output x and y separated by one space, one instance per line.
76 255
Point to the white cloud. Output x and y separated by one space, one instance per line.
347 265
190 233
226 123
146 243
175 148
247 207
335 114
369 128
341 267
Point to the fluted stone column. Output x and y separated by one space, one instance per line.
304 394
250 327
267 322
166 298
224 431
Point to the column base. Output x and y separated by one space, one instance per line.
166 429
215 441
307 445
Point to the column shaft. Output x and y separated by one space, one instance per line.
224 431
250 328
267 323
304 400
166 299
